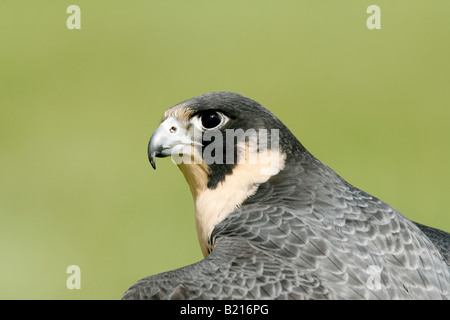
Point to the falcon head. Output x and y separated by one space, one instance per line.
225 145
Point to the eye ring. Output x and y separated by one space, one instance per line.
211 119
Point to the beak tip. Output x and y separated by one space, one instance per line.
152 160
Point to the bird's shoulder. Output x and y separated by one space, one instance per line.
344 236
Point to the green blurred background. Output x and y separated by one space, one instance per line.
77 108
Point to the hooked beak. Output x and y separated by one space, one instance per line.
165 140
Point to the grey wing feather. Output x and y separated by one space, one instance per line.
389 261
358 246
440 239
234 270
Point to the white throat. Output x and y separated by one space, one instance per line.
214 205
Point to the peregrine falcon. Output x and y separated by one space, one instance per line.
274 222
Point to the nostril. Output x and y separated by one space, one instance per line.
173 129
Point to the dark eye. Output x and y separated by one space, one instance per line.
211 119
